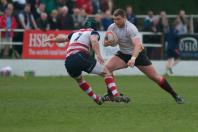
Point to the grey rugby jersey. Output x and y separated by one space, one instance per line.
124 36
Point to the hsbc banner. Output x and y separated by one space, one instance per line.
35 48
188 46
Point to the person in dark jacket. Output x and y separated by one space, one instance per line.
171 38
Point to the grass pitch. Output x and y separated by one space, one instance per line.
56 104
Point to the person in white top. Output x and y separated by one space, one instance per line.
132 54
78 59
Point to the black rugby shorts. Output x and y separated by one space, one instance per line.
141 60
79 62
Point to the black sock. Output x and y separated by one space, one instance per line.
167 87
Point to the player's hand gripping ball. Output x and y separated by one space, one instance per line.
111 38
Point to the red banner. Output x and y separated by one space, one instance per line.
35 48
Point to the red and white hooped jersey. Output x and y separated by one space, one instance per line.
80 41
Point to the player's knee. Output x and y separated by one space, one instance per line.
78 79
109 67
158 79
106 72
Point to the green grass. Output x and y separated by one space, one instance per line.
56 104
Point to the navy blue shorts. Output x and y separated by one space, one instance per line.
173 53
79 62
141 60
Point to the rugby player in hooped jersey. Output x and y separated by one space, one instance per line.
132 54
78 59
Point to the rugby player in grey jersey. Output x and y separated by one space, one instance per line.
132 54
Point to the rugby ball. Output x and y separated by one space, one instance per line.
111 37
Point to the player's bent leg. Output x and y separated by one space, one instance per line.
87 89
113 94
160 80
115 63
103 71
150 72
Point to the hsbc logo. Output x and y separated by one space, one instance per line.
188 44
37 40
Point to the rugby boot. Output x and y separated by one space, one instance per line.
120 98
178 99
99 100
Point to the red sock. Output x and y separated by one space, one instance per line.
111 85
167 87
87 88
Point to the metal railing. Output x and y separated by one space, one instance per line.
154 45
22 30
10 43
190 17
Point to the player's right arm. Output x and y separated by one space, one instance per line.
94 38
106 42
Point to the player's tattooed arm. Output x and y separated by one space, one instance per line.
138 47
58 39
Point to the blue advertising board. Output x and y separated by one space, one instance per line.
188 46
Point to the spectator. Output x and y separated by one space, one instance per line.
96 6
77 18
171 38
65 19
163 25
182 23
131 17
39 10
42 22
53 22
148 21
49 5
105 5
26 19
34 6
59 11
70 4
107 19
19 5
85 4
150 25
7 22
83 17
3 6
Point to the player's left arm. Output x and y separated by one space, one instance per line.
137 45
60 38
